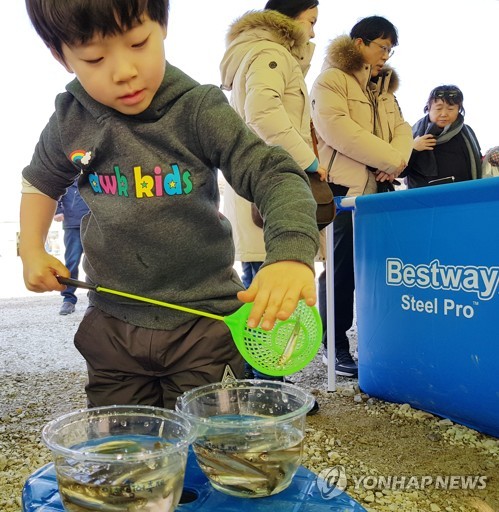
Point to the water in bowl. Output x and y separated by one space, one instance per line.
152 484
256 464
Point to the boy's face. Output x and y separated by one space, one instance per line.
442 113
122 71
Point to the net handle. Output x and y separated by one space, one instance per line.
97 288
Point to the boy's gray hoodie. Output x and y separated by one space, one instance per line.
150 182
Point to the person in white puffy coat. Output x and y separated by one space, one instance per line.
267 57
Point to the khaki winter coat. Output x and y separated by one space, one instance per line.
264 66
358 121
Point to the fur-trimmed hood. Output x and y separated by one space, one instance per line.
342 53
281 28
259 26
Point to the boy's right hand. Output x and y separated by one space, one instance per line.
40 271
39 267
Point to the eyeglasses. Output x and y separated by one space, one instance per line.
386 49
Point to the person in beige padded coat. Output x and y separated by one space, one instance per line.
364 144
267 56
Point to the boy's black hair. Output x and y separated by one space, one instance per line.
369 29
291 8
451 94
77 21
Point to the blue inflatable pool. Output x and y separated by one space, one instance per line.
427 285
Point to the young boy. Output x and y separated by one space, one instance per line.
146 142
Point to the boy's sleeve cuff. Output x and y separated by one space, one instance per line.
313 166
295 247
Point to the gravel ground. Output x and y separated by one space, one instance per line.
43 376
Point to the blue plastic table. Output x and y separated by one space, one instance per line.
40 494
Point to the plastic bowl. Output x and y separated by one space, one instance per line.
249 434
119 458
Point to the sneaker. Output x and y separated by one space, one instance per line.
314 410
324 355
67 308
248 371
315 407
345 365
325 359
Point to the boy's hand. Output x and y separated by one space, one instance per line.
40 271
276 290
39 267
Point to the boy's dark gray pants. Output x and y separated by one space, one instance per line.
130 365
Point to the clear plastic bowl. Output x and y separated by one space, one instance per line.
119 458
249 434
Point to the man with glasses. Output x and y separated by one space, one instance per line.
364 144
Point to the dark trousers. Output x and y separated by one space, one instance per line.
134 365
72 257
344 283
250 268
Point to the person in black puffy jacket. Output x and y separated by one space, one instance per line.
445 149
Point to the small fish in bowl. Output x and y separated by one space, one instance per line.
119 458
249 434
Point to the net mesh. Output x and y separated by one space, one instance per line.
264 350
